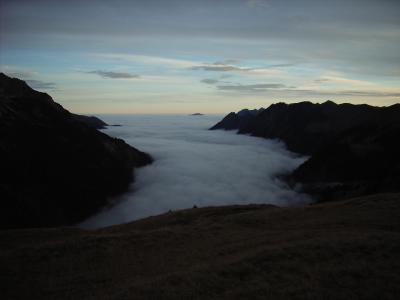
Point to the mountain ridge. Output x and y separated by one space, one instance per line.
56 169
352 148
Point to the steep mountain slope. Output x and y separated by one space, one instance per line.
339 250
91 121
306 127
237 120
363 160
55 169
354 148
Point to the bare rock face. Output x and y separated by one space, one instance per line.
55 168
353 148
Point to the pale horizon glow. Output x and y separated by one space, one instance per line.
212 57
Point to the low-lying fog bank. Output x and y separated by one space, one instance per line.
195 166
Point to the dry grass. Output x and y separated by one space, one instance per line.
341 250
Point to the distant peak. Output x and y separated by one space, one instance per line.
247 112
13 85
329 102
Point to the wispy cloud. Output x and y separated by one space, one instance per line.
227 62
337 78
285 65
321 80
283 89
210 81
40 85
230 65
368 93
257 3
22 74
252 87
220 68
148 60
31 77
113 75
18 72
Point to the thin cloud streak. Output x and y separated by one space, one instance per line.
226 62
282 89
146 59
210 81
40 85
113 75
220 68
252 87
228 66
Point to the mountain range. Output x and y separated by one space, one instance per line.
56 167
353 149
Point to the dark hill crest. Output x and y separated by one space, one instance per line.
55 168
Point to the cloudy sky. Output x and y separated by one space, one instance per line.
202 56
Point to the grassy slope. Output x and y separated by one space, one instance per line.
340 250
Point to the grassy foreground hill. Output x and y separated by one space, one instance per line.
339 250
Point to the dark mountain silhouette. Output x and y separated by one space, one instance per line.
362 160
353 148
92 121
237 120
55 169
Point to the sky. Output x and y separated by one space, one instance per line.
152 57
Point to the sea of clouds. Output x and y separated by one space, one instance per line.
196 166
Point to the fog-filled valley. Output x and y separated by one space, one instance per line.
194 166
